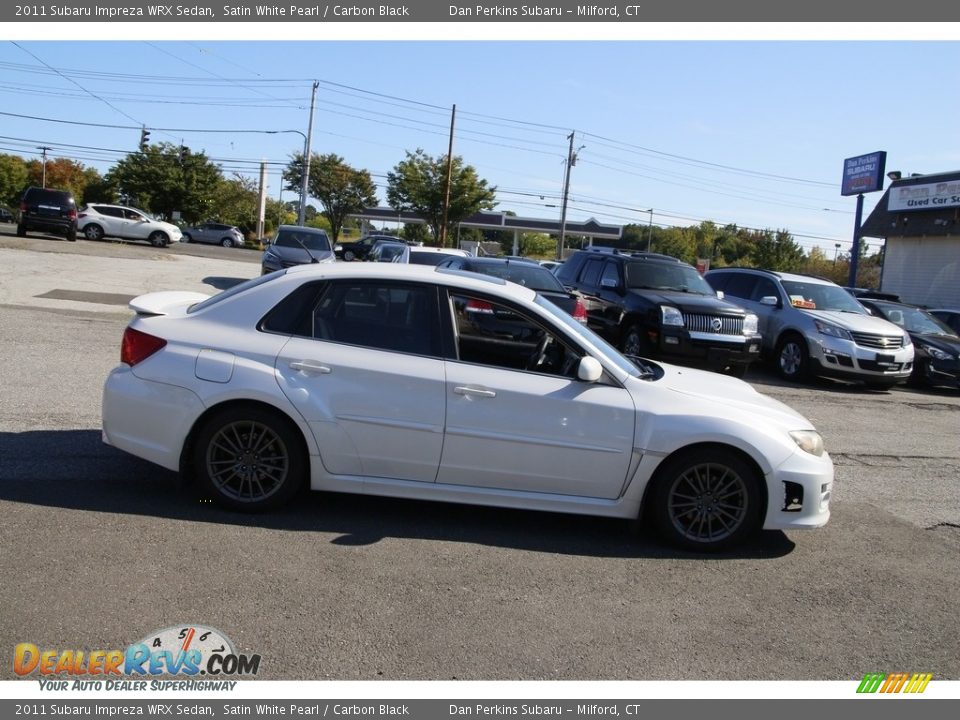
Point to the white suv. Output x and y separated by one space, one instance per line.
98 221
812 326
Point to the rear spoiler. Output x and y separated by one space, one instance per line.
162 303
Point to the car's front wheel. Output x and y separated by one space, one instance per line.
249 458
186 238
93 232
349 255
159 239
707 499
635 342
793 358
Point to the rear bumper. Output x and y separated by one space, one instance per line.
51 225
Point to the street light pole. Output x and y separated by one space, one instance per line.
650 229
306 157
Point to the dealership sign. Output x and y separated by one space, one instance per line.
863 174
929 196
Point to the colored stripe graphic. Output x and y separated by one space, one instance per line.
894 683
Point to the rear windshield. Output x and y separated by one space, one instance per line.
235 290
313 241
49 197
523 273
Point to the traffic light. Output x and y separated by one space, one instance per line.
144 139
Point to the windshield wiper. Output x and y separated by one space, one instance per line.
646 371
313 259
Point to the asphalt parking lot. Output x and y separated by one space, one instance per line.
100 548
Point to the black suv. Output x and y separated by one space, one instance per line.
50 211
658 307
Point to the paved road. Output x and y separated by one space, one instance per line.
99 548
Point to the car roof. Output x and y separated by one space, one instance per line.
790 277
416 273
302 228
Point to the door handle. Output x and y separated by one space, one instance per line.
479 392
310 368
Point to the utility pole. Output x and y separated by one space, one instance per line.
306 158
446 199
571 161
650 230
44 148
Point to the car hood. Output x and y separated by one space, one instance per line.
729 392
692 302
943 342
855 322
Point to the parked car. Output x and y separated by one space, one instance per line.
49 211
371 378
359 249
936 346
812 326
214 233
384 250
658 307
551 265
948 316
424 255
97 221
296 245
5 215
528 274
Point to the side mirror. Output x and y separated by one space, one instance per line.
589 369
609 284
770 300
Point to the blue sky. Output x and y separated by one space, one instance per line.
750 132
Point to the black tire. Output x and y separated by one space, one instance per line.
21 230
226 242
792 358
349 255
186 238
707 499
72 235
93 232
159 238
229 463
634 341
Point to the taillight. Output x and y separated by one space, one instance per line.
23 206
579 311
138 346
73 214
480 306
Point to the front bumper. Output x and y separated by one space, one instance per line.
845 359
800 490
675 344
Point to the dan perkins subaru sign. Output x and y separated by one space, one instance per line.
864 173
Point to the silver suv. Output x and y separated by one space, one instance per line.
814 327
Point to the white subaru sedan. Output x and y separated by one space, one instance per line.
414 382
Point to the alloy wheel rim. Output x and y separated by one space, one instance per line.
708 503
247 461
790 358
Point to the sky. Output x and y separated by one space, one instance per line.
747 132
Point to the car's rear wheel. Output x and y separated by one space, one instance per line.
707 499
72 235
93 232
249 458
793 358
349 255
159 239
227 242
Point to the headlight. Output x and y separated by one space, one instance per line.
935 353
750 324
671 316
809 441
832 330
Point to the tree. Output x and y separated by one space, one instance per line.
166 178
341 189
13 178
776 251
418 184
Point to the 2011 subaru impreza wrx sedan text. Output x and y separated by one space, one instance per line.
414 382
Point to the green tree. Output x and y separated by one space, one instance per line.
235 201
13 178
418 184
166 178
776 251
341 189
63 174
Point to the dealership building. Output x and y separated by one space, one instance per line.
919 218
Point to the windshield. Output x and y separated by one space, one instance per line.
313 241
521 273
819 296
666 276
914 320
582 331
